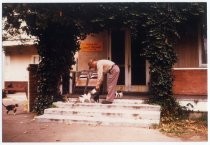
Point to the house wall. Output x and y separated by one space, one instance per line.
95 46
16 61
190 81
187 52
15 68
189 77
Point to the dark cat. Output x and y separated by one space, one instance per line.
11 107
95 97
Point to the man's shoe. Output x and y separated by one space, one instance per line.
106 102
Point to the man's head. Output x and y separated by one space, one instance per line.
92 63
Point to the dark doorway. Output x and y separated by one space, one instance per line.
118 52
138 65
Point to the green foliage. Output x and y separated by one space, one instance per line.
57 58
59 26
161 34
57 34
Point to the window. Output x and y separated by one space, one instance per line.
203 52
203 42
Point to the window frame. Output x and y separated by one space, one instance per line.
202 46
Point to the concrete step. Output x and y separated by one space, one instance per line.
145 107
120 113
117 101
116 113
97 120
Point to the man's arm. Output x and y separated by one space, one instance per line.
100 76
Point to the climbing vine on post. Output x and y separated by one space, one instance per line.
161 24
56 49
158 50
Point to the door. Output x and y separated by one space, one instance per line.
133 68
138 65
118 53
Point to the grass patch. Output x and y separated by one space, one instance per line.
185 128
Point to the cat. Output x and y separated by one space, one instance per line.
11 107
87 97
95 95
118 94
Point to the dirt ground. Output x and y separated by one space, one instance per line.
22 127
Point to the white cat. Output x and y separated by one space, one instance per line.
91 97
118 94
93 91
85 98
